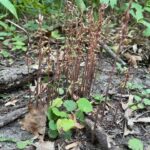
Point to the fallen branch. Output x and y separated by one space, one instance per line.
15 76
100 134
108 49
11 116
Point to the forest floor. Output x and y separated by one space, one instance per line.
113 122
124 114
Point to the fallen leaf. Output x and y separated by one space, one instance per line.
13 103
135 48
133 59
125 107
127 131
72 145
35 120
79 126
144 119
45 145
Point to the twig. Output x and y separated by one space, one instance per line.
108 49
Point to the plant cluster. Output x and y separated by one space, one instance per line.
63 116
11 42
141 96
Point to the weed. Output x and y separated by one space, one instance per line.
63 116
135 144
19 144
141 96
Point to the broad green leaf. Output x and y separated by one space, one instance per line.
59 113
8 5
147 91
138 13
52 125
65 124
61 91
135 144
23 144
134 107
104 1
140 106
70 105
137 98
57 102
4 34
67 135
81 5
5 54
146 32
113 3
52 133
84 105
80 116
146 101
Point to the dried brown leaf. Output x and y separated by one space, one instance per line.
133 59
35 121
74 145
45 145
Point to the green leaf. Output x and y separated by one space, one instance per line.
8 5
147 91
98 97
81 5
140 106
61 91
5 54
23 144
70 105
67 135
52 125
65 124
57 102
55 34
2 139
113 3
135 144
4 25
147 9
52 133
104 1
137 98
80 116
84 105
59 113
146 101
137 11
4 34
146 32
134 107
